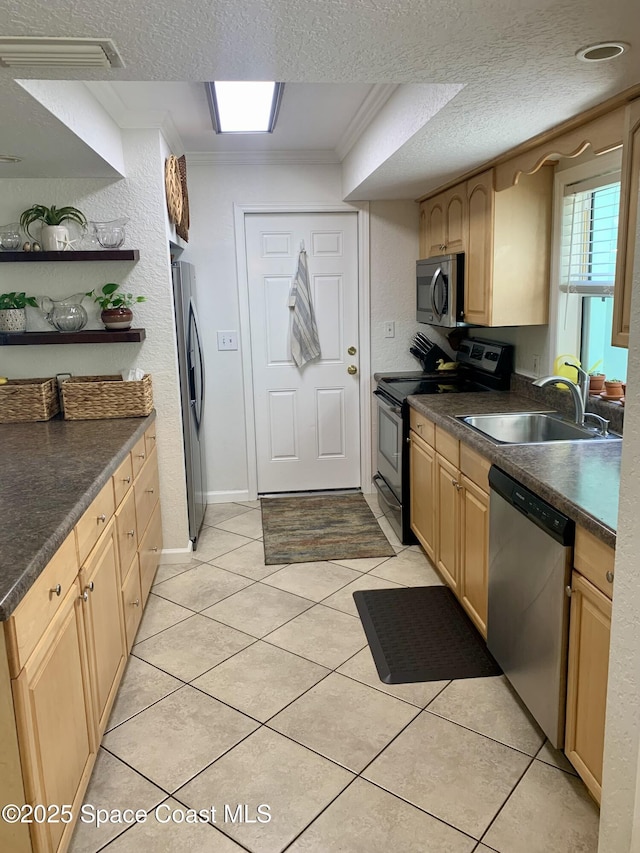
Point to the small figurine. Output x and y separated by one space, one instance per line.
26 246
36 247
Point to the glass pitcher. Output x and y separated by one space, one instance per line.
65 315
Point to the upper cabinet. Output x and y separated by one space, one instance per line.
627 225
506 236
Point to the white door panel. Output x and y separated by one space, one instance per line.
307 420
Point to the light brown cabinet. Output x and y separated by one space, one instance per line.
506 236
67 644
450 512
627 225
589 637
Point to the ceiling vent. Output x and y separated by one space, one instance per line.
27 51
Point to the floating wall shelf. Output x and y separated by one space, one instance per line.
101 255
87 336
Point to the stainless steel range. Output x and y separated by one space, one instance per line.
482 366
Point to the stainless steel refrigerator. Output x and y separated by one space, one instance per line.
192 390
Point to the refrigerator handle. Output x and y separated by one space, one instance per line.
197 404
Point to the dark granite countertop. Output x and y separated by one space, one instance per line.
50 474
580 479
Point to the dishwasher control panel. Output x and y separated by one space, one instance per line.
537 510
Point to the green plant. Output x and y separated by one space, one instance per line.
615 380
50 216
16 300
109 297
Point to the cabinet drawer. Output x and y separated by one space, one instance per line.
127 535
94 521
150 438
595 560
475 466
448 446
422 426
149 552
147 490
138 456
36 610
132 602
122 480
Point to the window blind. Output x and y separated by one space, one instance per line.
589 236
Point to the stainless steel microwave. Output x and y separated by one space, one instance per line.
440 291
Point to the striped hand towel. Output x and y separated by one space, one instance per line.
305 343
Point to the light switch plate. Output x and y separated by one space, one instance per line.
390 329
227 340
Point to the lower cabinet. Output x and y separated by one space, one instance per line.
55 720
421 483
474 552
448 522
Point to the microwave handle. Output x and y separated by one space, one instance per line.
432 291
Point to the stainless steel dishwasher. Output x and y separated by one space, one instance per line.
530 555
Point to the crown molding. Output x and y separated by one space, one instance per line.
370 107
319 157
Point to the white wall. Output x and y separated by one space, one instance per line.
620 816
140 196
213 190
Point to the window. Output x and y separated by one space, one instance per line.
587 271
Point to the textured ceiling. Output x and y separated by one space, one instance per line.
514 59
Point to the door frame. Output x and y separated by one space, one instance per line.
240 211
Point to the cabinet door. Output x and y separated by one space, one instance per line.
149 552
422 481
479 257
589 633
55 721
447 521
433 241
474 552
455 206
106 642
627 226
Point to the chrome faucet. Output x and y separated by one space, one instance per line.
576 392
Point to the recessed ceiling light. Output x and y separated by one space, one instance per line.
602 51
244 107
9 158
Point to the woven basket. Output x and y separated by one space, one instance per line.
28 400
87 398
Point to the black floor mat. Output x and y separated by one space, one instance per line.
422 634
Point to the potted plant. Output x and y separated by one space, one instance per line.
116 306
13 317
613 388
54 236
596 383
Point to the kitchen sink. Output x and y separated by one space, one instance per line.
531 428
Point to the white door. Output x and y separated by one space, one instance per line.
308 419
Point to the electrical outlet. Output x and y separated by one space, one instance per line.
227 340
390 329
536 365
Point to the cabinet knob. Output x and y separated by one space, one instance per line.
89 587
84 596
136 603
151 437
102 518
140 455
149 491
155 550
126 479
56 590
609 577
131 533
456 484
568 591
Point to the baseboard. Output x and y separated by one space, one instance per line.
176 555
227 497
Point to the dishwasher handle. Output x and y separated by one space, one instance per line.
539 512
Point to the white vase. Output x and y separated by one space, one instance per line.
54 237
13 320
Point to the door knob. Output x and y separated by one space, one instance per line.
352 369
352 351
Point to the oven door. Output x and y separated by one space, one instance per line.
390 440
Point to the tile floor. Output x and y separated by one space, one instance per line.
253 685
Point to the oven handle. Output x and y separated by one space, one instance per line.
385 492
394 410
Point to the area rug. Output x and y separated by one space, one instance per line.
422 634
324 527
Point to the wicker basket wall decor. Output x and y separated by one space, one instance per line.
28 400
173 188
94 397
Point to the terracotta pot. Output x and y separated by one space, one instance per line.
613 389
596 382
117 319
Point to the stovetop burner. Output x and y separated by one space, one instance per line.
401 387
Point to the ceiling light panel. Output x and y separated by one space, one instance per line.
244 106
27 51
